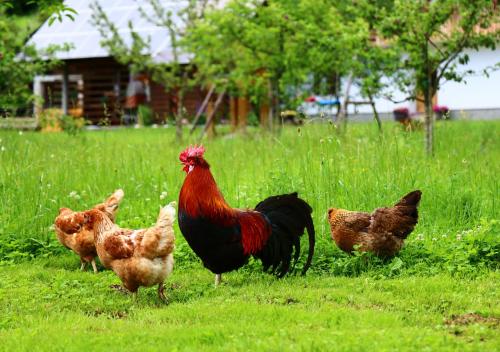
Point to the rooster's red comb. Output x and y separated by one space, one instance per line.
192 151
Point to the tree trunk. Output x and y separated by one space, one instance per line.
211 116
342 116
202 108
271 112
180 114
429 124
375 112
429 118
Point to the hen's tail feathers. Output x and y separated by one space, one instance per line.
289 217
166 216
411 199
407 207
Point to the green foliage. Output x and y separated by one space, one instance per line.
20 63
433 36
145 115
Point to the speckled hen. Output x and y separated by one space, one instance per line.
382 232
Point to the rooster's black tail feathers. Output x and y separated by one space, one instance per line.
289 217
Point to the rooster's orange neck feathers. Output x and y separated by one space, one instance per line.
200 197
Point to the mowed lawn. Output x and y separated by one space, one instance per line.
440 293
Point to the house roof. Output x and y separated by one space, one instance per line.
85 38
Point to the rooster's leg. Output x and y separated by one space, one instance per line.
161 292
94 266
218 279
84 264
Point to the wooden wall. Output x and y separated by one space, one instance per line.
105 87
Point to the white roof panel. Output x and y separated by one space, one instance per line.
85 37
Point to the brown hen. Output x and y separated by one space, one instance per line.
139 257
75 235
382 232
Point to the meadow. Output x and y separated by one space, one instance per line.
440 293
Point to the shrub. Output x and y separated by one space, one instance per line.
53 120
145 115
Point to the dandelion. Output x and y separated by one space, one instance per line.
74 195
163 195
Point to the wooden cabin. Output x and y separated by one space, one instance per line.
92 84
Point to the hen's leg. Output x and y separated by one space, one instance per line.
218 279
161 292
94 266
84 264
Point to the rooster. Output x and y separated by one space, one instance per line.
224 238
72 233
382 232
138 257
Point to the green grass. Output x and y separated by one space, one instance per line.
49 305
450 265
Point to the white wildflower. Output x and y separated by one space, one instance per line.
163 195
444 236
420 237
459 237
434 239
74 195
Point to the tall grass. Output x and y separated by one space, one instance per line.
359 170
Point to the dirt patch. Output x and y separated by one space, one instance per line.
472 318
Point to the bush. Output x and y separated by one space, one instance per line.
145 115
53 120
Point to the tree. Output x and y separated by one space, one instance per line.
251 46
270 51
176 74
431 37
19 63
